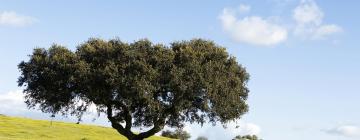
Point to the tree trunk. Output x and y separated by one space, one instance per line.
158 126
131 136
126 131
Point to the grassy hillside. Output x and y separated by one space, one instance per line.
15 128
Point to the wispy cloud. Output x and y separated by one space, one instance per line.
345 130
309 21
11 18
251 29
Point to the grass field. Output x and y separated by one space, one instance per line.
15 128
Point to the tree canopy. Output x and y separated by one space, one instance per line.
138 84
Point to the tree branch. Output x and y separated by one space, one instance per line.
127 113
115 123
158 126
159 123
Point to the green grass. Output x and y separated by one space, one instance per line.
15 128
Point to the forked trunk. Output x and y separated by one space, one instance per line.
126 131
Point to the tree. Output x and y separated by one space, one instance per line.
201 138
137 84
177 134
246 137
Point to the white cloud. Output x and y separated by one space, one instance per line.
309 21
12 102
11 18
346 130
308 13
243 8
244 128
252 29
306 23
326 30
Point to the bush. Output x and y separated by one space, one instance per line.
202 138
177 134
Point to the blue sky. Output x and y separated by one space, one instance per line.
302 55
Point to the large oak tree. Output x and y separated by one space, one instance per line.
138 84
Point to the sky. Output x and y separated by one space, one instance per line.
302 55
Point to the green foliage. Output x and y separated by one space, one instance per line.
15 128
177 134
246 137
139 84
202 138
